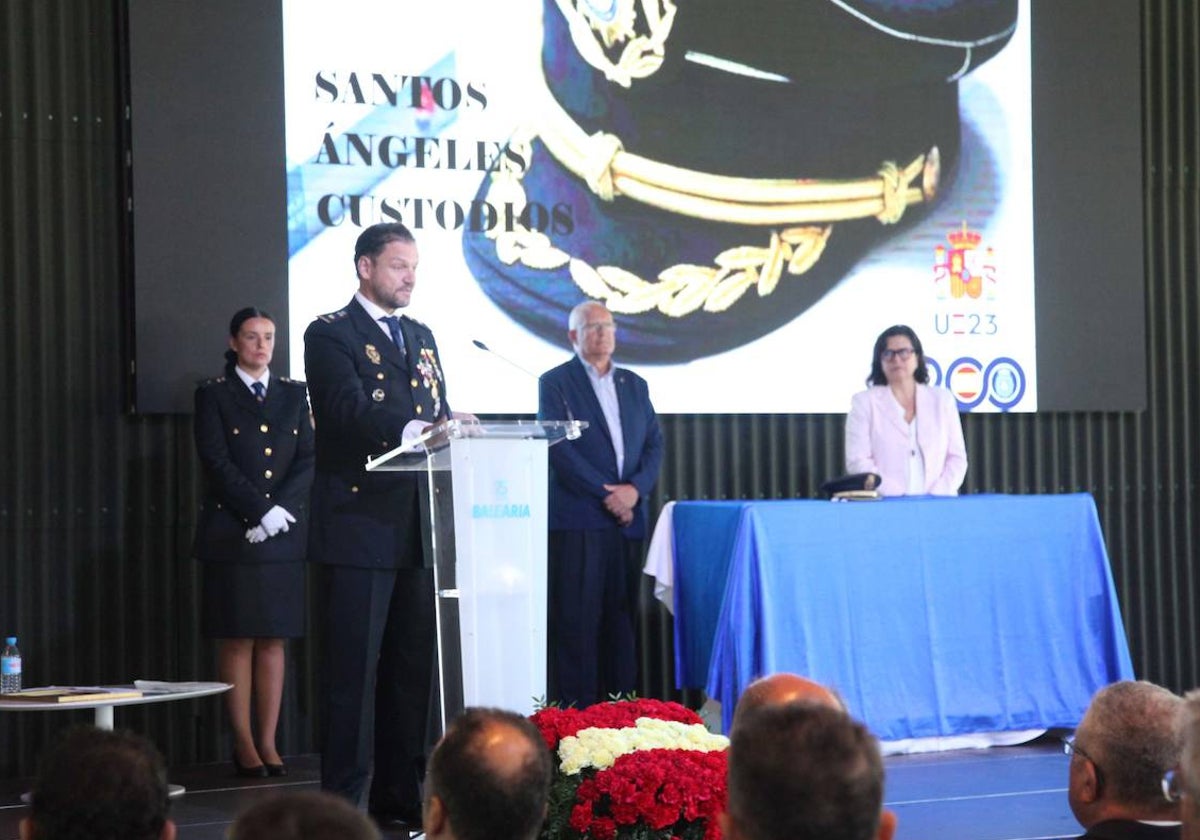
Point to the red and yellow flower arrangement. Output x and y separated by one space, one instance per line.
633 770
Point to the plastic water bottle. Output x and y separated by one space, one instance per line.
10 666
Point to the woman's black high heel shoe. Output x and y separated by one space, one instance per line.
276 770
243 772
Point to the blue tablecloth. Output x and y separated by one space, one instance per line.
931 616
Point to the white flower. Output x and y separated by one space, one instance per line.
599 748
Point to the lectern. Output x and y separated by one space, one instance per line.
487 526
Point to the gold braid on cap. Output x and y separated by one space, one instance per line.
609 171
799 211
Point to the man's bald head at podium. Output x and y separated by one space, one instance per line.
784 688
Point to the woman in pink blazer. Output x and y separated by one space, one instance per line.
903 429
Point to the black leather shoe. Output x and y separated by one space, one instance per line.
243 772
279 769
399 819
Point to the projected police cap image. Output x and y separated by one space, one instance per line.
725 163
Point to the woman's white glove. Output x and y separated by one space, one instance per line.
275 521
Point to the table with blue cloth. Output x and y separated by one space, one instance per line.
930 616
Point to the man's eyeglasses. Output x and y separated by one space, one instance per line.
901 353
1071 748
1172 786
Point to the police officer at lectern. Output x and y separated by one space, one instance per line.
374 378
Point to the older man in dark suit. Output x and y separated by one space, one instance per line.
375 379
1129 737
599 485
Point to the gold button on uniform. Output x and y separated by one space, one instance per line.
267 451
413 383
236 431
377 395
267 474
418 409
354 489
263 427
379 375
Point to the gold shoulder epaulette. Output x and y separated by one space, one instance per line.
331 317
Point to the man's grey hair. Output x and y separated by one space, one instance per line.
1134 735
578 316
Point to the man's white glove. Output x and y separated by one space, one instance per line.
256 534
275 521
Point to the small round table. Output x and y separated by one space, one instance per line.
152 692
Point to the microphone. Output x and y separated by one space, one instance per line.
553 385
503 358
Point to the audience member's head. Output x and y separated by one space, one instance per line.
1188 774
804 771
304 815
100 785
777 689
488 779
1129 737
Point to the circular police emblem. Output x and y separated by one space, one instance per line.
1005 382
377 395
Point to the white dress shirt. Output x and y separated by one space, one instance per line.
605 387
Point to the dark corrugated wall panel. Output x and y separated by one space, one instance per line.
57 155
1164 558
90 571
96 506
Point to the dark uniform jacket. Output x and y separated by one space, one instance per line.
255 456
1130 830
364 392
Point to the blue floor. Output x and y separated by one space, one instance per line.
1002 793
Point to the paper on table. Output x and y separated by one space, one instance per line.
164 687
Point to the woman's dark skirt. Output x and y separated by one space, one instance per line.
252 600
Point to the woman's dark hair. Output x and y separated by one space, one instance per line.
877 376
235 326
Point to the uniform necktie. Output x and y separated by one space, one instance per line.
260 391
393 325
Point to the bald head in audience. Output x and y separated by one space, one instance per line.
488 779
303 815
1129 737
777 689
804 771
1188 781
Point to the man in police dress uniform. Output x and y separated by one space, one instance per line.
371 375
